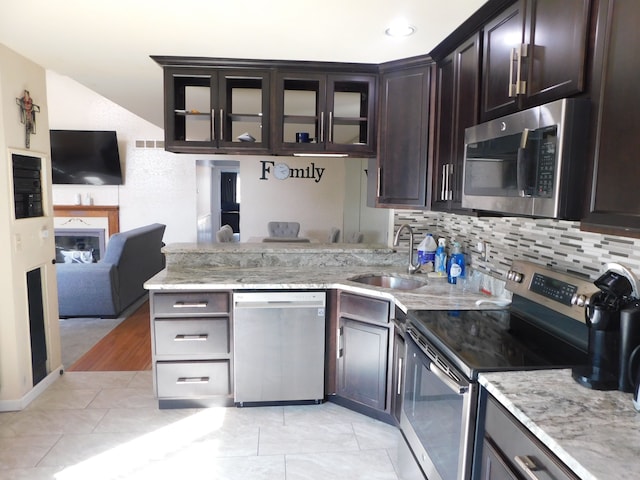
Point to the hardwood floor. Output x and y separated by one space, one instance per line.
126 348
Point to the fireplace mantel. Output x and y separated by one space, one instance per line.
111 212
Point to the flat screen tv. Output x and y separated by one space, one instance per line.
85 157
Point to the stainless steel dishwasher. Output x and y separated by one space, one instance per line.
278 340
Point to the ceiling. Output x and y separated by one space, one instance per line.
105 45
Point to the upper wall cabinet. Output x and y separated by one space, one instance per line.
405 136
334 112
534 52
458 100
614 205
216 110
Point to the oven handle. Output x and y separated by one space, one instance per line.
434 368
438 372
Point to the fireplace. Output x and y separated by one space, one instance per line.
84 245
82 231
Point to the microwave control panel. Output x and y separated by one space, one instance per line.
546 162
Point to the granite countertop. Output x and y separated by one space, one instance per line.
280 247
595 433
437 293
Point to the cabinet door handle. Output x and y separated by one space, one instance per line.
192 380
379 189
399 387
527 464
338 351
450 182
521 85
221 124
321 127
442 183
513 59
201 304
198 337
330 127
213 124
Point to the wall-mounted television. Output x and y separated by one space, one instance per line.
85 157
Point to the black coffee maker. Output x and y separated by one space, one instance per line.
613 318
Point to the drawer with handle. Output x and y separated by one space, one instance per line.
365 308
518 450
193 379
190 303
200 336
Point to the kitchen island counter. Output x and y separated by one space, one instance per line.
265 254
595 433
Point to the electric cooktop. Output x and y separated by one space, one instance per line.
542 328
496 340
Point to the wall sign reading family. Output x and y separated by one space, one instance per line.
282 171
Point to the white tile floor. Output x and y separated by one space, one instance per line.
106 425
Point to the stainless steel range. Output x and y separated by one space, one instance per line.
446 350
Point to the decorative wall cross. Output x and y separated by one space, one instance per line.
28 111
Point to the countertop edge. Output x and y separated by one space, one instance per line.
506 401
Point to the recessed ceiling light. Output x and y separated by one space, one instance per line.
400 28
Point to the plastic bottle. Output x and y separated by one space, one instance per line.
440 265
427 250
455 267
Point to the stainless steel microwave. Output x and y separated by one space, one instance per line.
531 163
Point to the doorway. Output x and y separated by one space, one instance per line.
218 198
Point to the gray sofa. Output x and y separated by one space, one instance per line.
108 287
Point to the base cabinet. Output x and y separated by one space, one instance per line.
365 355
362 372
397 375
509 451
191 337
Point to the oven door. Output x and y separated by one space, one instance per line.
438 413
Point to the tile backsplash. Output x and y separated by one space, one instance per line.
560 245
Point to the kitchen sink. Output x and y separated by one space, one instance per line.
389 281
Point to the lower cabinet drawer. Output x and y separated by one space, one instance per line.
205 336
519 449
190 303
193 379
365 308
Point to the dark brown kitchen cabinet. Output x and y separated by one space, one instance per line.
364 355
217 110
614 204
399 358
508 451
404 132
337 111
458 101
533 53
362 364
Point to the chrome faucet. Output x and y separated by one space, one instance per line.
411 268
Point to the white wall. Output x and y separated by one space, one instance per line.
25 244
315 201
158 186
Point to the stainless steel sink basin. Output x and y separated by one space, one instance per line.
389 281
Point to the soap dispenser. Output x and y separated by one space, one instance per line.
455 267
440 265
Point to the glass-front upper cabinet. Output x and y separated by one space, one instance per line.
325 113
216 109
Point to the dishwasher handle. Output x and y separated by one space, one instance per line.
279 300
278 304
